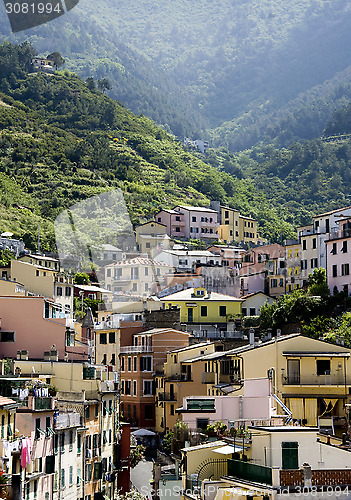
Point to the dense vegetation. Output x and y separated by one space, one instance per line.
62 141
252 70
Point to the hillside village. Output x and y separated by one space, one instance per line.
166 350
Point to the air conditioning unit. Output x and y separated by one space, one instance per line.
24 355
18 354
47 356
54 355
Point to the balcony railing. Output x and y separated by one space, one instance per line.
338 379
135 349
249 472
167 396
42 403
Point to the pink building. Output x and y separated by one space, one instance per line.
190 222
255 405
28 324
338 250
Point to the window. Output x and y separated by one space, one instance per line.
68 291
252 311
202 423
290 457
78 477
134 387
334 249
314 263
244 311
36 273
323 366
135 364
147 388
134 273
59 291
79 443
108 272
335 270
304 246
172 410
122 364
37 427
135 287
129 363
226 214
87 412
62 442
113 359
193 219
274 283
7 336
148 245
314 243
344 247
118 273
112 337
146 364
146 270
177 229
128 387
149 412
345 269
222 310
62 478
103 338
71 475
203 310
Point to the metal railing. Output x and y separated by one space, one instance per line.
167 396
334 379
135 349
250 472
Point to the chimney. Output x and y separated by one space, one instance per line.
252 336
307 475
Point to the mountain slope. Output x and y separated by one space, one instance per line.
63 142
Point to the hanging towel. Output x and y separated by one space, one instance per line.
24 453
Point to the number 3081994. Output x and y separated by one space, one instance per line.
33 8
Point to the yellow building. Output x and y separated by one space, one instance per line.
151 238
293 279
9 444
237 227
178 381
200 307
312 377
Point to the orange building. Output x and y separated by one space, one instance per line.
139 363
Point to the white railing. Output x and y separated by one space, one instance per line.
135 349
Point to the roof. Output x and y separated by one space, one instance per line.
156 236
141 261
152 222
332 212
91 288
192 253
110 248
283 428
257 293
211 444
159 331
188 294
197 209
189 347
41 257
169 211
6 402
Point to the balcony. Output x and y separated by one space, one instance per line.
167 396
42 403
341 233
249 472
200 404
316 380
135 349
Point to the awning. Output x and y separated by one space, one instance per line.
143 432
316 354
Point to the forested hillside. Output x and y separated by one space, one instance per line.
62 141
260 70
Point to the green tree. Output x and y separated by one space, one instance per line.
317 283
81 279
57 58
137 454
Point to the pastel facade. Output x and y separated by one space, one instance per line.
201 310
190 222
178 380
188 260
151 238
251 304
139 362
293 280
338 249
